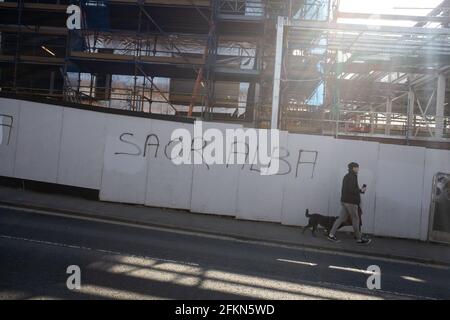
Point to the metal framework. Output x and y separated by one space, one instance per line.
187 57
290 64
371 81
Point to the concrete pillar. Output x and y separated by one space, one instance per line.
277 74
52 82
372 120
387 127
440 101
410 113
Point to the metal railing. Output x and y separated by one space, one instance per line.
358 123
243 7
229 54
258 8
140 100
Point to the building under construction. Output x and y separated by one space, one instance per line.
287 64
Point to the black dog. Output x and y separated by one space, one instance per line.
316 219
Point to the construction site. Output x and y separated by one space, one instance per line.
224 150
303 66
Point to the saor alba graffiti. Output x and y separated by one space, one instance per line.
152 146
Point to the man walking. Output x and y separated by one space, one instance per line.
350 199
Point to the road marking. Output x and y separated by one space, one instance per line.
298 262
404 295
351 269
413 279
58 244
331 285
50 243
225 238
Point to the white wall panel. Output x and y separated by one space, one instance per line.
124 175
399 191
82 148
307 186
9 130
261 197
168 185
38 142
215 186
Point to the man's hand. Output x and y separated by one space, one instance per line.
364 188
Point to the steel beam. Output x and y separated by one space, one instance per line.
387 128
440 102
396 17
277 73
410 113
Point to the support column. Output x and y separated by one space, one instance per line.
277 74
440 101
52 82
372 120
387 127
410 113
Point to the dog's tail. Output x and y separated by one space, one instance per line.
307 213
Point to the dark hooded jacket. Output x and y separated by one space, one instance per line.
350 189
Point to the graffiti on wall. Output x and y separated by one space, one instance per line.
304 161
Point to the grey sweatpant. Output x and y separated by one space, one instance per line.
348 209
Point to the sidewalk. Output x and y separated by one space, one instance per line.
411 250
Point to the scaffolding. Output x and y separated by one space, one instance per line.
289 64
186 57
367 81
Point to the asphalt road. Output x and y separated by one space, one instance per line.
131 262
